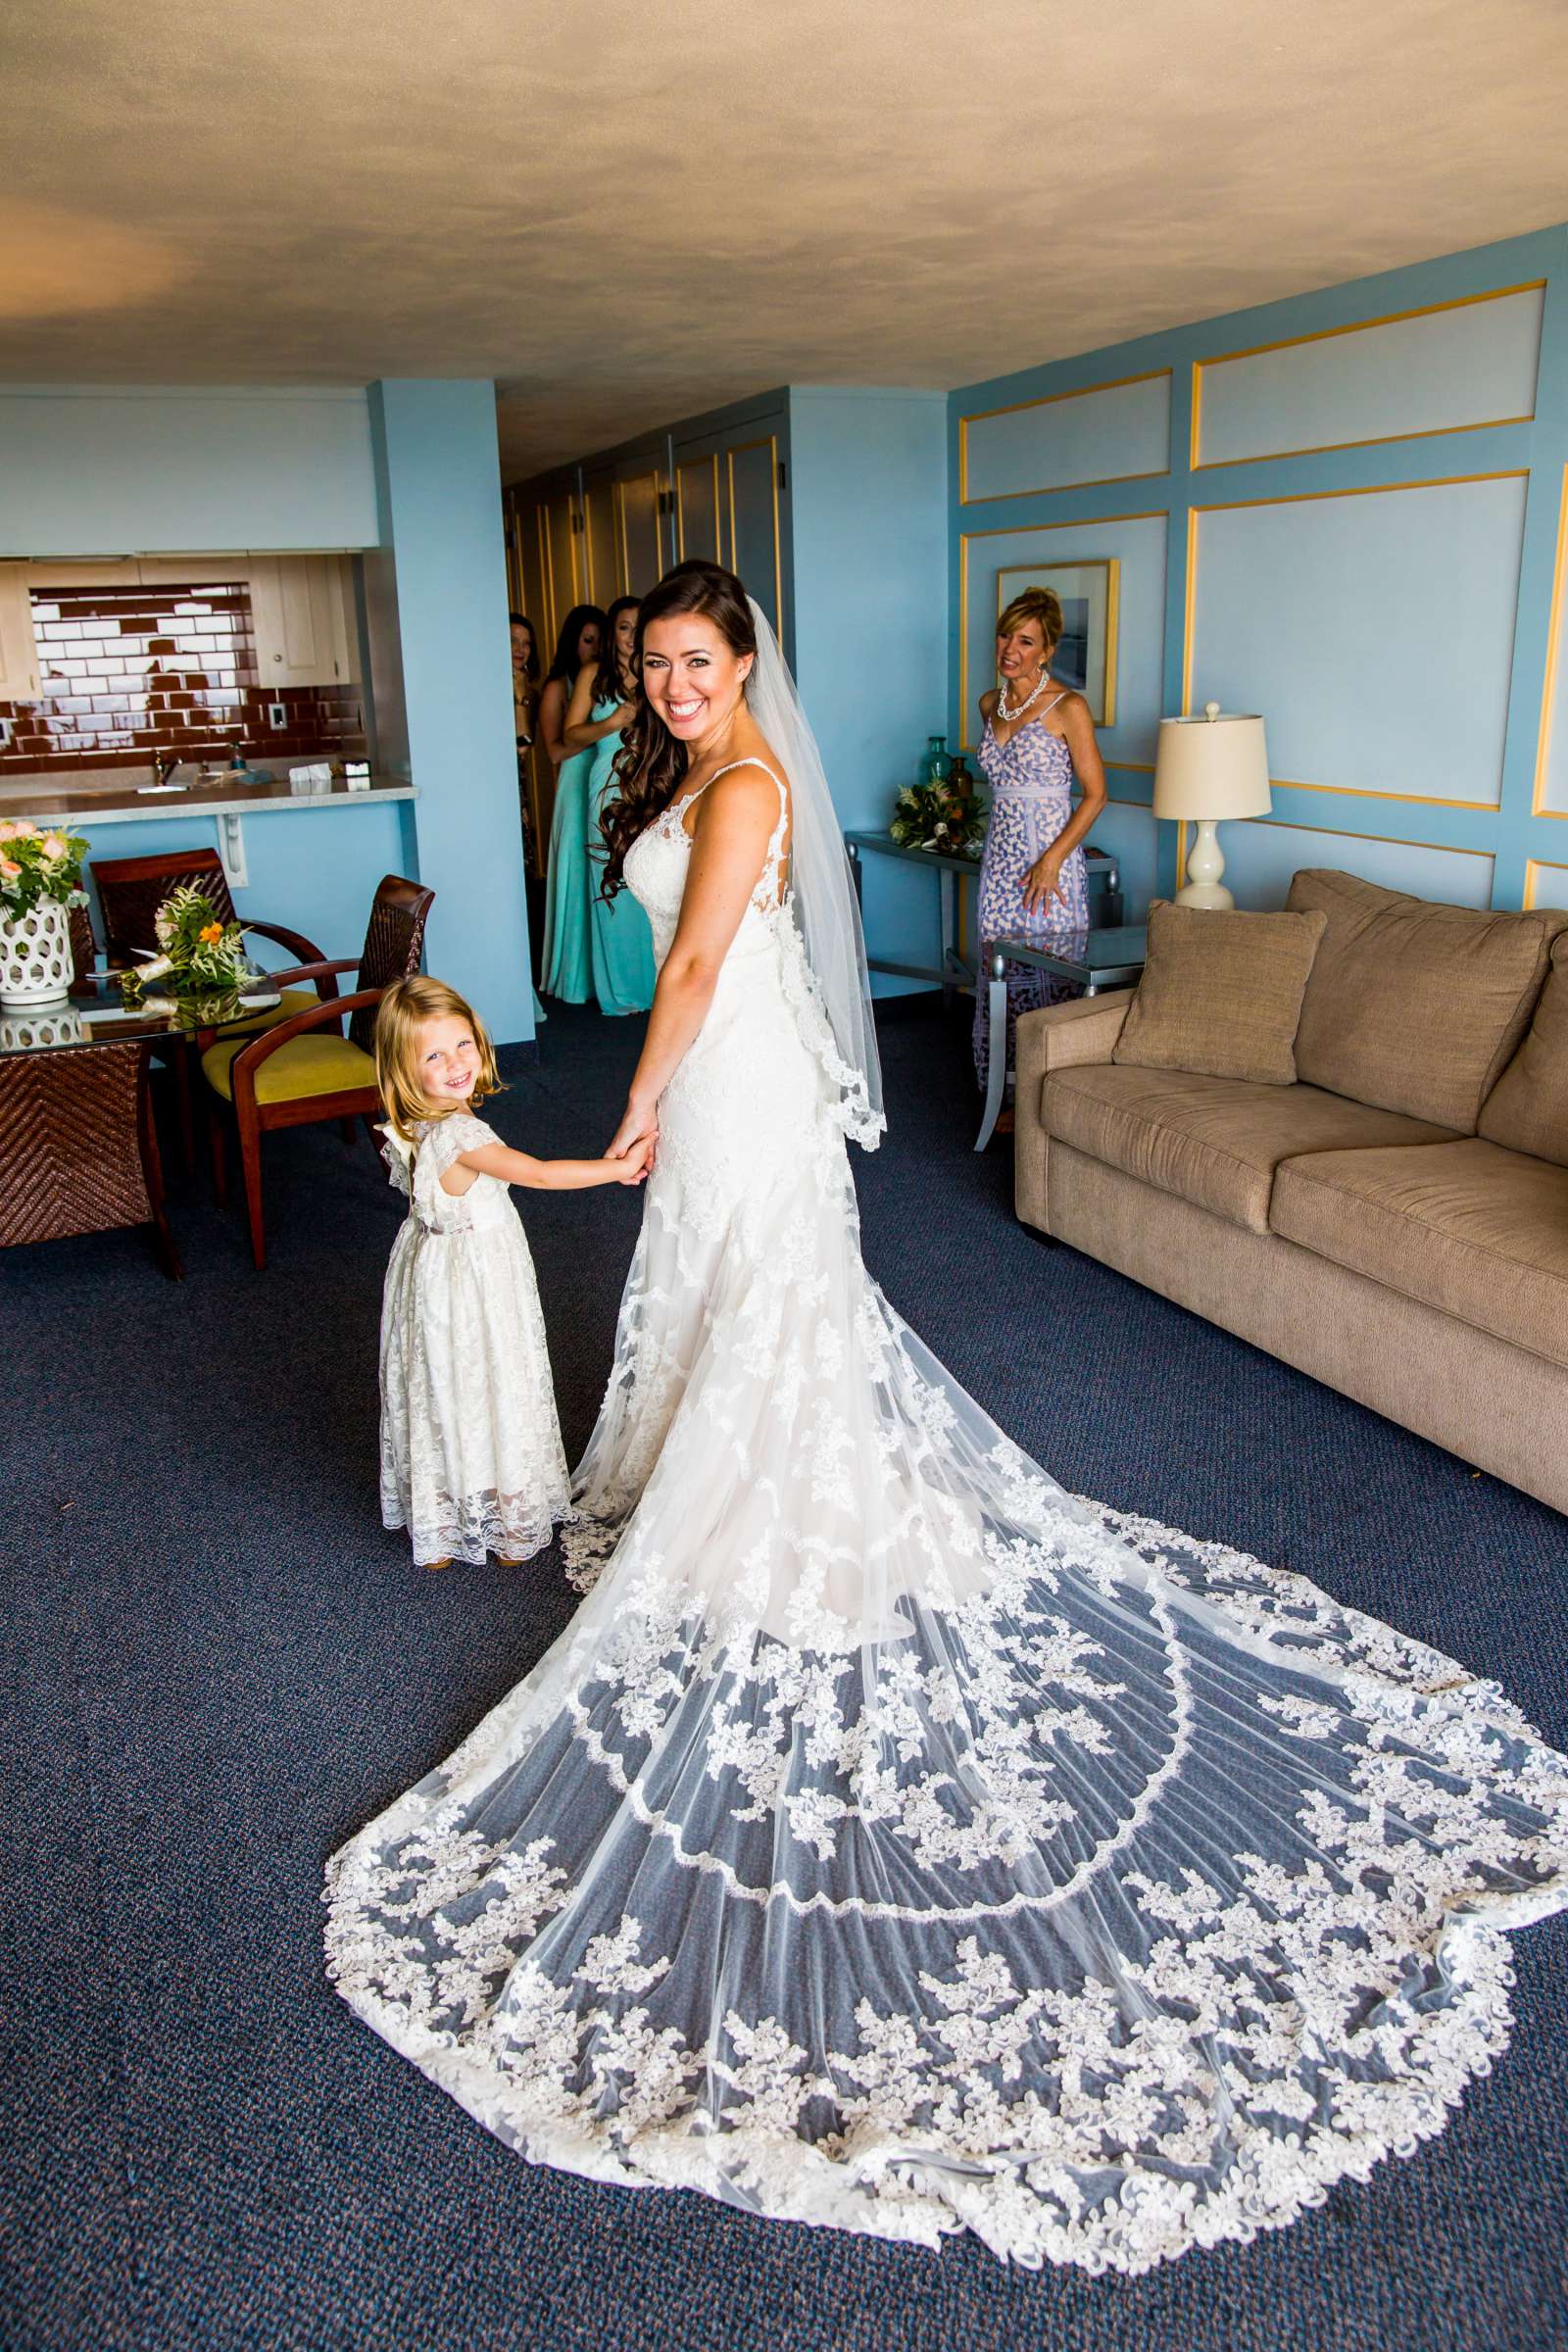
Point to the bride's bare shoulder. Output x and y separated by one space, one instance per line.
753 775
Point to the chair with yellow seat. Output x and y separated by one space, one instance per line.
305 1069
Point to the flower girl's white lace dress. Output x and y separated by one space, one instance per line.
894 1840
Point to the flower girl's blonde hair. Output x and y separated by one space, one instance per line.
404 1009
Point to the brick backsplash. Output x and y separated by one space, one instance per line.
131 673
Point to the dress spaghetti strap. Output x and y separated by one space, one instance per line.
767 887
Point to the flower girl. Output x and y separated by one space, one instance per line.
471 1460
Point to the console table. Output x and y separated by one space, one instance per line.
953 971
1107 956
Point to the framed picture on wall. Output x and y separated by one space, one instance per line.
1086 658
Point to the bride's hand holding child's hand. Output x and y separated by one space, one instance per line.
640 1125
636 1161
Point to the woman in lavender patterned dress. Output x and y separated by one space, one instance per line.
1032 881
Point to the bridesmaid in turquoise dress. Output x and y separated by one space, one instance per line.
621 943
564 966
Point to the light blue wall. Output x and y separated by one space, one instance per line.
868 508
1361 536
438 487
147 471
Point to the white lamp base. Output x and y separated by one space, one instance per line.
1206 862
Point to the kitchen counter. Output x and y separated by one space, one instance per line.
125 797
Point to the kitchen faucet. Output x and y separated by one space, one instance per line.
164 765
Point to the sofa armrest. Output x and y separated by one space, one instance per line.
1084 1029
1060 1037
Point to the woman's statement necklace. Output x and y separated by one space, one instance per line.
1018 711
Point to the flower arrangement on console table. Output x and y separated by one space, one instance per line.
40 882
945 813
204 964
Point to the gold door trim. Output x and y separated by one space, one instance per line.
692 465
738 449
623 482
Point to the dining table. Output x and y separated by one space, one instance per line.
79 1146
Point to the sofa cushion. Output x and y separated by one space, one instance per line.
1221 993
1412 1005
1467 1227
1213 1140
1526 1110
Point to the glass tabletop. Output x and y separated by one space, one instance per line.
886 846
1121 947
95 1013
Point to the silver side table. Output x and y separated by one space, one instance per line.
1094 959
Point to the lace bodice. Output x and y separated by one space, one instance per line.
438 1143
656 873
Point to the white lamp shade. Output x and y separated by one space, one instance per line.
1214 766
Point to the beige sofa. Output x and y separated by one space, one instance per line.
1395 1222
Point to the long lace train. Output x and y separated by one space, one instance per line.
897 1842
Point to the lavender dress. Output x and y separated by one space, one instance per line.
1030 777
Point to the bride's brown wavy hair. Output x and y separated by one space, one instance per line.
650 762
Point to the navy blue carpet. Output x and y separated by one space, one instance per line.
220 1665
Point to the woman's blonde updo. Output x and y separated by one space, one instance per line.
1043 607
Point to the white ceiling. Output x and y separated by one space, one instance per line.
649 207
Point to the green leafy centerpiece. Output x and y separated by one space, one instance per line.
943 814
40 882
203 965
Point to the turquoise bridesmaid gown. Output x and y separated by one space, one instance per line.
621 943
565 969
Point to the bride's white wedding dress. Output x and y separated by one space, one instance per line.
897 1842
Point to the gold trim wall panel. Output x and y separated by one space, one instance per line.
1548 690
1308 497
1396 841
1013 408
1329 334
1535 868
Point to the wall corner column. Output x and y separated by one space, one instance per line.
439 597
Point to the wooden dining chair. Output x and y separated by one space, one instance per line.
130 891
305 1069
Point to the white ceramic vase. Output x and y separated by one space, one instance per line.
34 955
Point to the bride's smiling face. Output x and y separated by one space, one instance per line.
692 674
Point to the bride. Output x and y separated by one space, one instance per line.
894 1840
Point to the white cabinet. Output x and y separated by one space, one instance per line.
73 573
18 646
299 608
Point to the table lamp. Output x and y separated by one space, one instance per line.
1204 770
